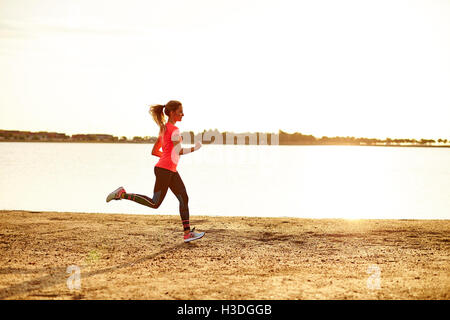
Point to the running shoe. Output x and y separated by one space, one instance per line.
115 195
192 235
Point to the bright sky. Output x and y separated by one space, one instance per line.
336 68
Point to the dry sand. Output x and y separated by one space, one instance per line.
143 257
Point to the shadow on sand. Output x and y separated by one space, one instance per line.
59 275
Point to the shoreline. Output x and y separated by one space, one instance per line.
220 216
130 256
205 144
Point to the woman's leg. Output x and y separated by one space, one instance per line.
163 180
178 188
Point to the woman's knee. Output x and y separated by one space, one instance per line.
157 199
156 205
183 198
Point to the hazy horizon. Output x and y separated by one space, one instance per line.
210 129
371 69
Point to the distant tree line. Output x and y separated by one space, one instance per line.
300 139
224 138
284 138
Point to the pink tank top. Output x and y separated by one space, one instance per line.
170 157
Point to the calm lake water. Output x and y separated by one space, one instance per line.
268 181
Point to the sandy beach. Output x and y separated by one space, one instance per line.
119 256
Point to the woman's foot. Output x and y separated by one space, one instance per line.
192 235
116 194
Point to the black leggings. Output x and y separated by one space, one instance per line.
165 179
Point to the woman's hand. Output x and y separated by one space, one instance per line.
157 154
197 146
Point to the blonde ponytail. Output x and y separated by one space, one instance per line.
158 115
158 111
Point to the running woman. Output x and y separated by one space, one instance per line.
166 173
